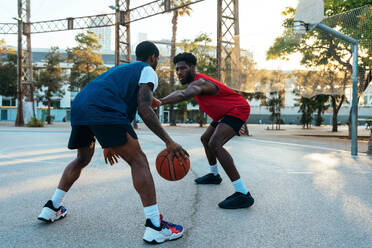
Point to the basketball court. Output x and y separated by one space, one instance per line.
308 194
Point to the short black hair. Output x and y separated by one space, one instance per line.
145 50
189 58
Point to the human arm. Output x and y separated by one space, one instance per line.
197 87
149 117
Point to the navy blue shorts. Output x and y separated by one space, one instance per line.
232 121
107 135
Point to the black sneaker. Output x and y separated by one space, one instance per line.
209 179
237 200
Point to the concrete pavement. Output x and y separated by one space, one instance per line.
309 192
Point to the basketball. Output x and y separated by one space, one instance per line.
169 167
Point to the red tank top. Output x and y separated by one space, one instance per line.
226 102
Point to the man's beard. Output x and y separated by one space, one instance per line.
189 78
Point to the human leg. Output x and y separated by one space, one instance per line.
82 139
213 177
74 168
241 198
157 230
222 134
143 182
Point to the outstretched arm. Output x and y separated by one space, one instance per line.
195 88
182 95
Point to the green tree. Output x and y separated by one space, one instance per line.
2 46
320 49
272 85
336 82
320 105
8 75
175 14
164 88
274 104
4 49
87 62
306 107
311 82
163 72
50 81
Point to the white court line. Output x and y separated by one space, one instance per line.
300 172
301 145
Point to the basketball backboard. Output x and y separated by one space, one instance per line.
309 13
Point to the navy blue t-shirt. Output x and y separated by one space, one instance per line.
109 99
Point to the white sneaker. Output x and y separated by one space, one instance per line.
50 214
166 231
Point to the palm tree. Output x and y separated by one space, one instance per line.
178 12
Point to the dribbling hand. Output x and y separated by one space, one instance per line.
177 150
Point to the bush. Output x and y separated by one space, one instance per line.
34 122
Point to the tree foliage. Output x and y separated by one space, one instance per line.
306 107
4 49
49 82
8 71
328 55
271 85
8 76
87 62
319 49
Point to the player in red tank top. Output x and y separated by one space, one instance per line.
229 112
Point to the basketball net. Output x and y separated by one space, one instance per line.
294 30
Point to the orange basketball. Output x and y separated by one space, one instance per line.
169 167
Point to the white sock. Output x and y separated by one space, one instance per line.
58 198
214 169
152 213
239 186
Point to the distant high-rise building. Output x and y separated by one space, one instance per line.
140 37
104 37
164 47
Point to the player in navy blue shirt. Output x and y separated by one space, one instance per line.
104 110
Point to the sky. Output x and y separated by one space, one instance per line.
260 23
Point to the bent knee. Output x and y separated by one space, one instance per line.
215 144
136 158
83 160
204 139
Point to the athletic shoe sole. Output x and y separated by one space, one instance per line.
155 235
46 212
154 242
242 206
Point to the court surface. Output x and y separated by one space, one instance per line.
309 192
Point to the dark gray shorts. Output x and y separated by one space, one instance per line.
232 121
107 135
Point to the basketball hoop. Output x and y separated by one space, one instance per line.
294 30
300 27
309 13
